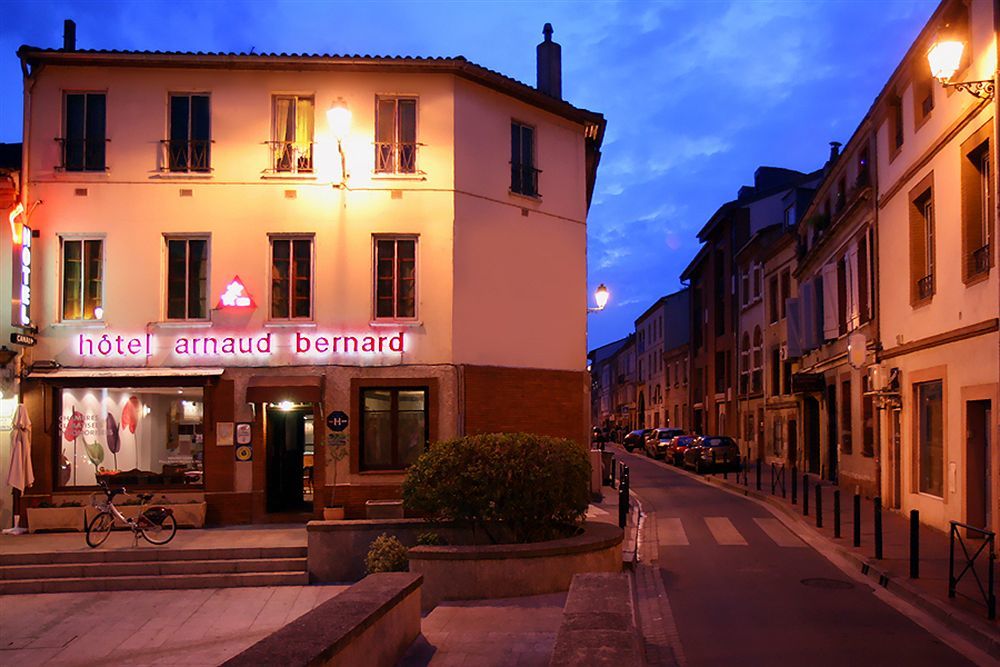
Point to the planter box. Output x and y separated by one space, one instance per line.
187 515
55 518
384 509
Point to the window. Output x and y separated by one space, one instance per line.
922 241
774 297
758 276
786 292
721 378
842 296
396 135
930 437
745 363
85 134
187 278
775 371
864 177
841 196
166 450
745 287
523 175
895 125
977 205
757 378
190 140
395 278
923 91
292 142
394 426
786 376
790 216
864 305
82 279
867 419
846 443
291 278
721 287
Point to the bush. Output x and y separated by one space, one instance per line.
386 554
529 486
429 539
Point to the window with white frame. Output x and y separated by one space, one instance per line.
395 278
82 278
396 135
291 277
187 278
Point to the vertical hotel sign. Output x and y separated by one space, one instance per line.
21 292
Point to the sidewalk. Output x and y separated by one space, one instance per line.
966 613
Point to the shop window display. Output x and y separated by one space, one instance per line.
150 436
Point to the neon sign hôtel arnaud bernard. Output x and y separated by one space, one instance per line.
297 344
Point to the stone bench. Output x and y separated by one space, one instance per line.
371 623
598 625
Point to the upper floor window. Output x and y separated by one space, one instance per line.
85 133
896 136
190 136
291 278
977 205
923 91
786 292
922 241
396 135
187 278
772 288
523 175
395 278
292 141
82 279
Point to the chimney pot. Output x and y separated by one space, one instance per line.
69 35
834 150
549 70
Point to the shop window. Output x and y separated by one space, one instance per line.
84 139
977 206
82 279
929 400
148 436
189 145
922 241
396 135
187 278
394 427
395 278
292 141
291 278
523 174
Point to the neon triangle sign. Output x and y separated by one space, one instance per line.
236 296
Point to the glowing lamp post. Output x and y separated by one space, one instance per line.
945 58
601 295
338 117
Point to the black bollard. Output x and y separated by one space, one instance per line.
612 471
819 506
758 473
805 495
623 499
795 485
914 544
877 505
836 513
857 520
725 466
713 460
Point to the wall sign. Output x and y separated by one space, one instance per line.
337 421
25 340
244 453
243 433
21 292
236 295
224 434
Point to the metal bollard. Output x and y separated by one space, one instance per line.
774 476
836 513
857 520
713 460
819 506
758 473
623 499
914 544
611 474
795 485
805 495
877 504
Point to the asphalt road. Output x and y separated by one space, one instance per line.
744 589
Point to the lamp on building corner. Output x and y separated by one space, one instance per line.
945 57
338 116
601 295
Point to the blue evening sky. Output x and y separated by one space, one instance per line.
697 94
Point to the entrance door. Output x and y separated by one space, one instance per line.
979 482
831 432
289 454
811 406
896 462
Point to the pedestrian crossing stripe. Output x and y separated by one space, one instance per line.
724 531
671 533
778 533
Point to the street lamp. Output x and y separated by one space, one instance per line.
601 295
338 117
944 58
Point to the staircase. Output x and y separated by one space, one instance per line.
148 568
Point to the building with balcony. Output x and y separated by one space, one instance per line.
269 281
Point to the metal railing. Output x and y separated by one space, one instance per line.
291 156
778 479
395 157
187 154
524 179
83 154
925 286
981 260
987 547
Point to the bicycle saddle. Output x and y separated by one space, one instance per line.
145 497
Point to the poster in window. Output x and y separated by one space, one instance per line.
224 434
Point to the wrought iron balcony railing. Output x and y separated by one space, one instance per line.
187 155
83 154
291 157
981 260
395 157
925 287
524 179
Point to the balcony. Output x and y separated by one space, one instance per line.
83 154
191 155
291 157
925 287
395 158
981 260
524 179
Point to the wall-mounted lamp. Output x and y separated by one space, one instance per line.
945 57
338 116
601 295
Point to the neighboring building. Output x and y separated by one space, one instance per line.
836 275
11 215
308 254
939 289
676 333
602 383
663 328
626 385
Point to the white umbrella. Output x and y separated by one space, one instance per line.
20 476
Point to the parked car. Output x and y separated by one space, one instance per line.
635 439
676 448
712 452
657 440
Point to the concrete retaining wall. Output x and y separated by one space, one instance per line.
598 626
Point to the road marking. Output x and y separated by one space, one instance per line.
671 533
778 533
724 531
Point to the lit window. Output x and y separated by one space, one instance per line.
394 426
292 142
82 279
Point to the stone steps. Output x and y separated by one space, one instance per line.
144 568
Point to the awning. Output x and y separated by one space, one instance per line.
141 373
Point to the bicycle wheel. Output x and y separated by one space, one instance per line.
99 528
159 533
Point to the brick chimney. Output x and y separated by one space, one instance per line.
69 35
549 65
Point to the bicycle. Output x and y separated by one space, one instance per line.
156 523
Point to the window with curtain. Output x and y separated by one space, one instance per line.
187 278
85 132
291 278
396 135
394 426
395 278
292 143
82 279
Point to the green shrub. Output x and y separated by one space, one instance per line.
430 539
529 486
386 554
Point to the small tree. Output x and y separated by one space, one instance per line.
528 485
